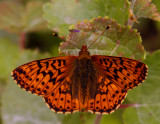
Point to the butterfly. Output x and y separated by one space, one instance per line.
94 83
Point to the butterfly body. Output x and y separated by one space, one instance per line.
84 77
94 83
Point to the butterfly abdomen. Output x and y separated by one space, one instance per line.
84 80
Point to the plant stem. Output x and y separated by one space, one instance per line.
22 40
98 119
131 18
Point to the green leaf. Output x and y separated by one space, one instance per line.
130 116
61 13
144 8
28 55
116 41
16 18
19 106
89 118
8 55
2 87
10 16
146 96
114 118
78 118
157 3
34 20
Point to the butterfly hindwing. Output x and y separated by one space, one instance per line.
123 72
108 97
61 100
43 76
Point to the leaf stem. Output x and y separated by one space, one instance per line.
131 18
135 105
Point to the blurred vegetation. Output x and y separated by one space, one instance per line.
26 28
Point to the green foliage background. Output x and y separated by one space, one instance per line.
26 28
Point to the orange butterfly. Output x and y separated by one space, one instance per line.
94 83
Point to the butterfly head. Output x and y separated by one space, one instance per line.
84 50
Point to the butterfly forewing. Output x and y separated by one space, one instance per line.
43 76
123 72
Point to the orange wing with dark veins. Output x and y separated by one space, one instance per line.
108 97
41 77
117 76
123 72
61 101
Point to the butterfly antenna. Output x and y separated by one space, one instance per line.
54 34
108 27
